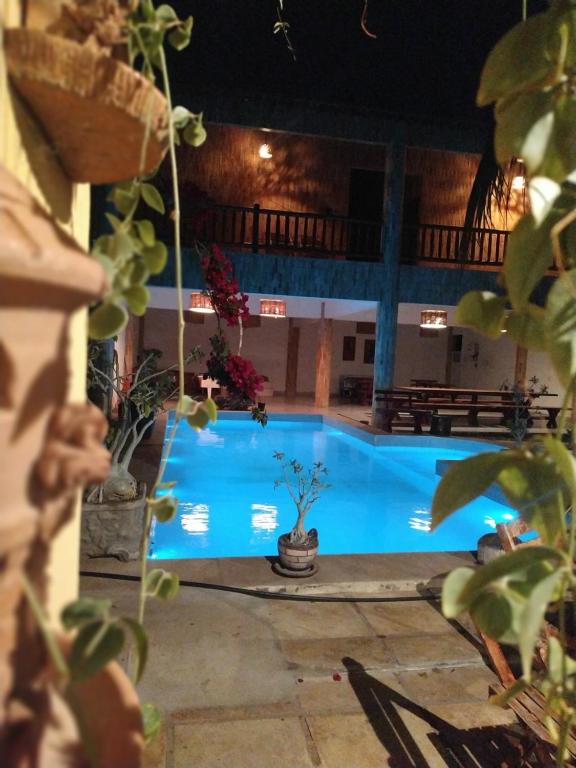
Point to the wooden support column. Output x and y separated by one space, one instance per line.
387 310
291 385
520 367
448 369
323 362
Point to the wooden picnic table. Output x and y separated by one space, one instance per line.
422 402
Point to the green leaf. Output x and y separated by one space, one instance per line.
492 614
139 273
114 221
164 508
534 487
194 133
508 565
211 408
483 311
523 59
146 231
161 583
561 326
152 197
524 128
181 117
527 327
533 617
83 610
151 722
563 461
466 480
120 246
452 590
125 197
140 644
137 297
155 257
106 321
179 38
95 645
198 419
166 13
528 257
560 158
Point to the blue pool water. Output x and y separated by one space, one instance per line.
379 501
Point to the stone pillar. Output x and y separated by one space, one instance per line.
323 362
292 360
520 366
387 311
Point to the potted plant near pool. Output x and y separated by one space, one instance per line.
297 549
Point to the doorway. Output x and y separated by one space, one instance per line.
365 202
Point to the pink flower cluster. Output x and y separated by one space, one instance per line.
243 376
229 304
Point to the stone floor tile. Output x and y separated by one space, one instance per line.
432 650
452 685
326 695
242 744
313 657
467 716
404 618
300 620
216 671
349 740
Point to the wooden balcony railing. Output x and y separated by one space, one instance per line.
442 244
264 230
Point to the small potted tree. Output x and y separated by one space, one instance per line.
297 549
113 511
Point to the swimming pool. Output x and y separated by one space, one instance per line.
380 499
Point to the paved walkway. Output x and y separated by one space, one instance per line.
246 682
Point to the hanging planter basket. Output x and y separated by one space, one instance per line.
93 108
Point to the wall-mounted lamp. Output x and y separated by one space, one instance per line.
518 183
434 318
272 308
265 151
200 302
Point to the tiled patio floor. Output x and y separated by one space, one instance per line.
245 682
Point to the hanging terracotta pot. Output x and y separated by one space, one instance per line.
93 108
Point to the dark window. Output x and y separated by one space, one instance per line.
369 349
349 348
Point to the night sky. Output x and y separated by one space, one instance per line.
425 62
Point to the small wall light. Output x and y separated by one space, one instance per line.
200 302
518 183
265 152
272 308
434 318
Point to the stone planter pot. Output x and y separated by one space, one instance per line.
114 528
298 557
93 108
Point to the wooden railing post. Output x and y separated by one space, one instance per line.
255 227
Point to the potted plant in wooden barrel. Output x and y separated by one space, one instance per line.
297 549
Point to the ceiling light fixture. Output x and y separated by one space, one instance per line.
265 152
434 318
200 302
272 308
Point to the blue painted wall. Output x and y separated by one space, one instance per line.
326 278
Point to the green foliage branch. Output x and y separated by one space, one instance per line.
130 254
530 76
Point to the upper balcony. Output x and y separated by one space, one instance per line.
297 233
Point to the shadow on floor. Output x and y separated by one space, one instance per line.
474 748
